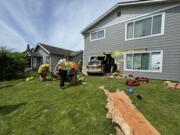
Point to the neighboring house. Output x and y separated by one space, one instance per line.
143 36
43 53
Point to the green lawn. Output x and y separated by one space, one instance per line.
41 108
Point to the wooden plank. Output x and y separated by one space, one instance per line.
125 114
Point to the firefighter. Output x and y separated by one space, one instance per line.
72 69
62 72
43 71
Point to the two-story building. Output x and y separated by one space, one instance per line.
143 36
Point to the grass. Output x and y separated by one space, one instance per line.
41 108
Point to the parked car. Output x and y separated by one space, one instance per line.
96 65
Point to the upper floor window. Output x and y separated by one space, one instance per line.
96 35
146 27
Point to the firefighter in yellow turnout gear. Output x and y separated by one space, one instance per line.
43 71
67 70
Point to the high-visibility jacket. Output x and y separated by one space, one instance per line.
74 66
67 65
71 65
43 69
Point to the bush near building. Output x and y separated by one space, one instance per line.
12 64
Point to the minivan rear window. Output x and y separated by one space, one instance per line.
97 58
93 62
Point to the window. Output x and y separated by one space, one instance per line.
130 29
143 28
147 27
144 61
157 20
155 61
100 34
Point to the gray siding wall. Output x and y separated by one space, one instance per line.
127 13
77 58
43 53
169 43
54 61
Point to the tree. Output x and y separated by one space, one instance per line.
12 64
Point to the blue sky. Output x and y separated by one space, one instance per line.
54 22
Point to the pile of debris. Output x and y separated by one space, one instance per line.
126 116
119 75
30 78
172 85
136 81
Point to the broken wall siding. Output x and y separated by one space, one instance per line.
169 43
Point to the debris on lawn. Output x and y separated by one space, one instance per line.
166 83
118 75
126 115
172 85
142 79
132 83
30 78
131 91
136 81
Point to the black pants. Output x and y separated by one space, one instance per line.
63 75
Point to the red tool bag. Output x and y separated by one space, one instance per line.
142 79
132 83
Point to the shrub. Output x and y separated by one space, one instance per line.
12 64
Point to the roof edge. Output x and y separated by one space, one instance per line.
39 44
116 6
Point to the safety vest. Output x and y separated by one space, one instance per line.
67 65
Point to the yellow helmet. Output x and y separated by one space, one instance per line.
47 65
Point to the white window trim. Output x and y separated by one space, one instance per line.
159 71
152 35
98 31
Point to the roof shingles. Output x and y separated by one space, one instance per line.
59 51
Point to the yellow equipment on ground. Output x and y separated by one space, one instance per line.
29 78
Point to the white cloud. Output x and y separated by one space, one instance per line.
56 22
18 11
11 38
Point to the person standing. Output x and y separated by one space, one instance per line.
62 72
108 62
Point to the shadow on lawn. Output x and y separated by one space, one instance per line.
6 86
74 84
10 108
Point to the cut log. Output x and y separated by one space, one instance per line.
125 114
